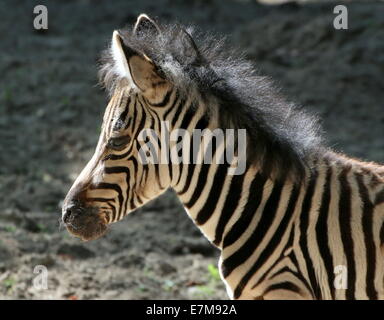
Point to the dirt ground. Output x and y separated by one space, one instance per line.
50 115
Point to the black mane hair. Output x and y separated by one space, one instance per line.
281 136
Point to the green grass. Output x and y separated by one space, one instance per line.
168 285
10 228
209 288
213 272
205 290
8 283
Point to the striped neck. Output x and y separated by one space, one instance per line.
224 206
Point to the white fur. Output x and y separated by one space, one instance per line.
121 68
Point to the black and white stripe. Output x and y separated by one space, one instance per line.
284 226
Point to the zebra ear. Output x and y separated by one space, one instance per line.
136 67
143 73
144 24
187 50
118 54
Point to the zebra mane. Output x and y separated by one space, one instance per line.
281 136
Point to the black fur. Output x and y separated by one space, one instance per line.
281 136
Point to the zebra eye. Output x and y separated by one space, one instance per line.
118 143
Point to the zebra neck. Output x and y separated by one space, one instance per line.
223 205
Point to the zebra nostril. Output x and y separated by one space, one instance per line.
70 213
67 215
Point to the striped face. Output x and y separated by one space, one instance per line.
115 181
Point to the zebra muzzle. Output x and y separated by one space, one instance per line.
84 222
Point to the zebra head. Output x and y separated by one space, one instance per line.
159 79
115 181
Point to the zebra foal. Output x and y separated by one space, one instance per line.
297 213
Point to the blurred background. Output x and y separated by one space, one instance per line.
50 116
